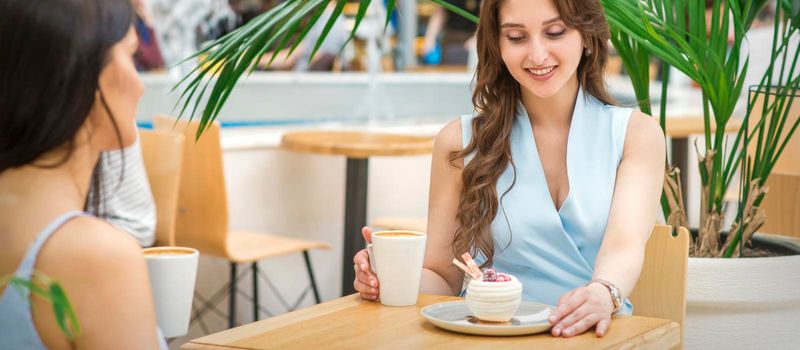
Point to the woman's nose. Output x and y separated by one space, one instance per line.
537 52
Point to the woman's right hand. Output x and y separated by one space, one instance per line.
366 282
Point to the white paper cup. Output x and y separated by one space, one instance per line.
172 271
396 257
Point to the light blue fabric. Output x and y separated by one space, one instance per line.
16 323
553 251
17 330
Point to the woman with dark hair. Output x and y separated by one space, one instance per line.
68 91
548 180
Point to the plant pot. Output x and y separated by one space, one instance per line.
745 303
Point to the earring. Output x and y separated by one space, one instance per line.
587 52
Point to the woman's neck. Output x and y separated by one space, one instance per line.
31 188
554 111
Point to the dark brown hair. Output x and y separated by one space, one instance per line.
53 55
495 100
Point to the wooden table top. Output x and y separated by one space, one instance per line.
683 127
351 323
438 68
355 144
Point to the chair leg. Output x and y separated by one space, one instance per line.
255 291
232 296
311 276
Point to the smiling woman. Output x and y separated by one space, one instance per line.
548 180
571 42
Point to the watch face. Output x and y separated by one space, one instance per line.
616 298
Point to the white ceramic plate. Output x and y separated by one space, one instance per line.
455 316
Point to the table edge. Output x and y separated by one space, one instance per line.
641 341
212 341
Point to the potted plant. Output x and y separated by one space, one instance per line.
731 302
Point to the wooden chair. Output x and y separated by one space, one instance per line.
202 221
782 205
661 289
163 154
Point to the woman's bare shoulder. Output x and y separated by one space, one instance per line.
92 239
644 133
104 274
449 137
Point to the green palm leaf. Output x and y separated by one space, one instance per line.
42 286
223 62
675 32
780 89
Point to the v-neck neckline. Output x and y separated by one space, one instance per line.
531 138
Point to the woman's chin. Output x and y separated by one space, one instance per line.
543 92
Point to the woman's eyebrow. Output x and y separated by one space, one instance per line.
518 25
554 19
512 25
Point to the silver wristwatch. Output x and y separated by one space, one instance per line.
616 296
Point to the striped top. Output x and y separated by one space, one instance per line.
553 250
128 205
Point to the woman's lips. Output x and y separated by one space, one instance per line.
542 74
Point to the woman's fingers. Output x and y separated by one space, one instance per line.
566 305
602 327
367 233
366 283
582 325
579 311
363 272
366 278
570 319
367 292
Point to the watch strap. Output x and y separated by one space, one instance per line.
616 296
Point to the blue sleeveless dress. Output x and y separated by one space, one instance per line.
553 251
17 330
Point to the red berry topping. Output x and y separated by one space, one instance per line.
501 277
489 275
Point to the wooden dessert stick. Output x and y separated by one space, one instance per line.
466 269
472 265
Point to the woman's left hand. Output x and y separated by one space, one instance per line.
580 309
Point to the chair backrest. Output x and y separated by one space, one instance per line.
163 154
202 204
661 289
782 205
789 162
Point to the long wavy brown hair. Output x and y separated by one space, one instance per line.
495 100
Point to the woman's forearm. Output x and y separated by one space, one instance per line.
620 262
640 178
434 283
